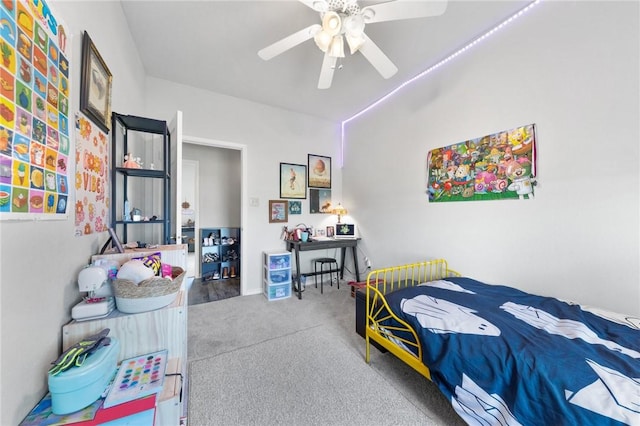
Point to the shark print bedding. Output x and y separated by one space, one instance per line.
506 357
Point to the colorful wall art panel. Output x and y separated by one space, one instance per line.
34 109
492 167
92 177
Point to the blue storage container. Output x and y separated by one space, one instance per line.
77 387
277 291
277 277
277 260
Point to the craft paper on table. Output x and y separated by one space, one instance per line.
34 136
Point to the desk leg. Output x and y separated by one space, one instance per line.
343 253
298 274
355 262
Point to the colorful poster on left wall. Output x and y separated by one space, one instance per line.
34 110
92 177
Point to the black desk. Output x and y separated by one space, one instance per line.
298 246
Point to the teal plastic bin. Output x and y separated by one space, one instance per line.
78 387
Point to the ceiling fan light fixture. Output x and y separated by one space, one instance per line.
354 42
331 23
368 14
323 40
354 25
336 49
320 6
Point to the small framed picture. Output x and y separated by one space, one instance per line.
295 207
278 211
319 200
293 180
330 231
319 171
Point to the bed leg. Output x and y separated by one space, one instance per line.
367 351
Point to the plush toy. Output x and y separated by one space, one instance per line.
135 271
131 163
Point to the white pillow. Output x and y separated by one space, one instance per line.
135 271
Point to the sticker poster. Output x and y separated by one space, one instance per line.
92 168
34 109
492 167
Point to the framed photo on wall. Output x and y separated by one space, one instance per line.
295 207
293 180
95 87
319 200
278 211
319 171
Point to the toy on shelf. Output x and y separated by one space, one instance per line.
131 162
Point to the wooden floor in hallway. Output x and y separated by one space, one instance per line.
212 290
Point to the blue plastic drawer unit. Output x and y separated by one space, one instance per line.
277 260
276 292
278 277
77 387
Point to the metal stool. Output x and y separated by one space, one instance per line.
325 261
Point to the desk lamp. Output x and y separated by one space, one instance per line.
340 211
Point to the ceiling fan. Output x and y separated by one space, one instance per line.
345 20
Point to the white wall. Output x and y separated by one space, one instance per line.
570 67
219 182
271 136
41 259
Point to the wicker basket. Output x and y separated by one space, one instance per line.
150 294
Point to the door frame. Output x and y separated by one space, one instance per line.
244 236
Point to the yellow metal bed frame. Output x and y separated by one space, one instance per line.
383 281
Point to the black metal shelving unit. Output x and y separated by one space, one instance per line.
152 137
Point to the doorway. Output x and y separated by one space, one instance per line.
190 196
214 178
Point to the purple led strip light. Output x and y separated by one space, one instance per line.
433 67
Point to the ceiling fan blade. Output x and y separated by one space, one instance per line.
317 5
403 9
378 59
288 42
326 72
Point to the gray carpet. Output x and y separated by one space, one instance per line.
293 362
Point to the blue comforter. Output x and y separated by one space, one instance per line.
505 357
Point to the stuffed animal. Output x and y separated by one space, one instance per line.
135 271
131 163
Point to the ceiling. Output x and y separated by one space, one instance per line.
213 45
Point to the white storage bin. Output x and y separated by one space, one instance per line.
277 291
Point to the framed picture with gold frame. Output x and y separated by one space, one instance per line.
278 211
95 87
